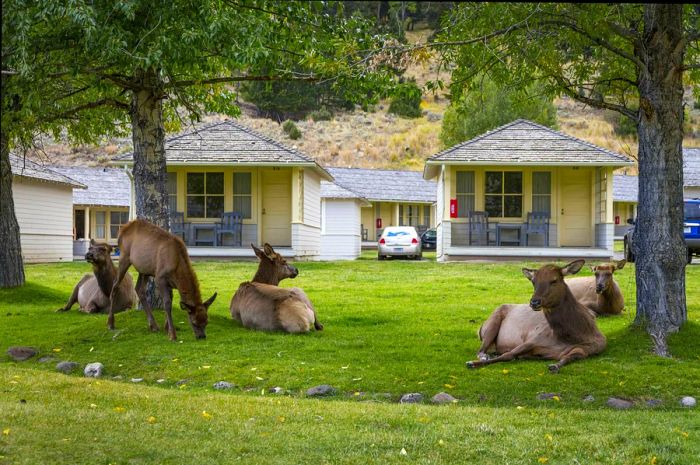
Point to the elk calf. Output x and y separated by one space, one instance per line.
93 291
155 252
600 293
553 326
261 304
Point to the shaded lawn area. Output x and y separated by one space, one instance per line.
391 328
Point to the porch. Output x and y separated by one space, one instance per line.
486 253
235 253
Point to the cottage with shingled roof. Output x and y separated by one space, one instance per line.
43 201
625 195
225 171
524 191
341 228
691 173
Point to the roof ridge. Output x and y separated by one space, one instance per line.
270 140
371 169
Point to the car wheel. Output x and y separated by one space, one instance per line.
628 253
419 256
381 257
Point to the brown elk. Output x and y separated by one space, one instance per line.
553 326
600 293
93 290
157 253
261 304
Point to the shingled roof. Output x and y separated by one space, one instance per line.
107 187
25 168
523 142
331 190
625 188
229 143
691 167
386 185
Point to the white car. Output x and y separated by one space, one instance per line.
399 241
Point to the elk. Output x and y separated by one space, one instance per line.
600 293
92 293
262 304
157 253
554 325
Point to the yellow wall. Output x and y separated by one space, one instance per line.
91 216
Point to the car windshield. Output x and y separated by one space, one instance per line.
692 210
430 234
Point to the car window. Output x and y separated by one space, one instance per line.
397 233
692 210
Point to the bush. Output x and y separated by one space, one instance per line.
291 130
622 125
322 114
406 100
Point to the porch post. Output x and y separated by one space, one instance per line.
88 234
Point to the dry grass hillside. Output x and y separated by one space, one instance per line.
381 140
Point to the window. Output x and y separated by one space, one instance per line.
413 215
205 195
426 215
542 191
79 225
243 194
100 225
466 193
172 192
116 221
504 194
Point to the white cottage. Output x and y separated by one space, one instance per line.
341 222
691 173
43 202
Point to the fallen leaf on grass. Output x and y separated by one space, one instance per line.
93 405
281 419
543 460
441 442
119 409
556 398
206 415
403 451
505 372
652 461
57 349
6 432
448 386
548 437
151 420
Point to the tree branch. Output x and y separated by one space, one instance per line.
221 80
69 114
569 89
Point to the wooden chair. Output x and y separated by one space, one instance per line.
479 227
365 232
537 223
231 223
177 225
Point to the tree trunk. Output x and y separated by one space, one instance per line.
658 241
149 158
11 265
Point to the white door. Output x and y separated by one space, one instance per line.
575 208
277 207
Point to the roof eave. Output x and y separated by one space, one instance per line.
526 163
74 185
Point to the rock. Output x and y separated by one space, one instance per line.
222 385
47 359
432 117
589 398
443 398
688 402
160 381
275 390
548 395
182 381
411 398
66 367
117 378
654 402
620 404
321 390
20 353
94 370
136 380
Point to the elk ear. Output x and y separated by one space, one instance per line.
186 307
210 301
573 267
258 252
269 251
621 264
529 274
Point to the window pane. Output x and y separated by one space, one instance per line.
541 182
494 182
426 215
215 207
465 204
242 204
465 182
195 183
513 182
172 183
125 217
541 203
242 183
513 205
100 229
114 230
114 218
494 205
215 183
195 207
172 203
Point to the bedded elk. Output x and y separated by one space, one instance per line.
600 293
262 304
157 253
93 290
553 326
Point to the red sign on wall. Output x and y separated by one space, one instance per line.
453 208
379 223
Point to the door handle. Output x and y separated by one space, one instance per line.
562 211
263 211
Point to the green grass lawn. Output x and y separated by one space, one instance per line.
390 328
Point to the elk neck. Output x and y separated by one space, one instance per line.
569 320
266 275
105 276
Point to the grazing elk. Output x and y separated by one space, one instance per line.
553 326
157 253
261 304
600 293
93 290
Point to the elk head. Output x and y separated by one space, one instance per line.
604 275
198 316
273 267
549 284
99 253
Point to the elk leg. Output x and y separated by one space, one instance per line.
74 296
124 264
141 284
167 293
576 353
510 355
489 332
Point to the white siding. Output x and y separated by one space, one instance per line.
440 214
341 238
312 198
306 241
306 236
691 192
45 216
